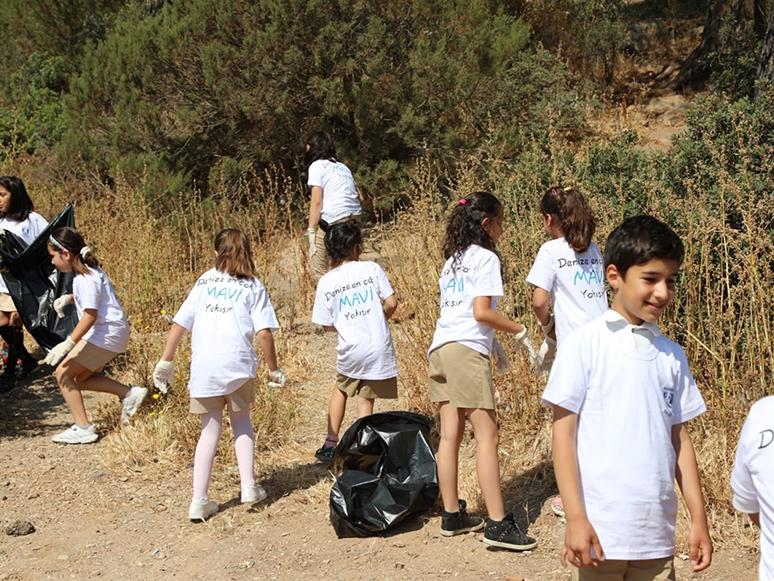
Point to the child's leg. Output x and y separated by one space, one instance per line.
244 444
336 410
68 375
365 406
452 429
487 462
206 448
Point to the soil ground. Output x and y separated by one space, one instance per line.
94 519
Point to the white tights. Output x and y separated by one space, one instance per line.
244 445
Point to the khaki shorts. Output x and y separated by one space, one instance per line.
368 388
236 401
461 376
90 356
6 303
639 570
319 264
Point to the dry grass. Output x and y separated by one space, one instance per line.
722 316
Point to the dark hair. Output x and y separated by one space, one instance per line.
464 227
341 239
234 255
21 203
573 215
320 147
71 240
640 239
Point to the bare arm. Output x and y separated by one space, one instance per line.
687 476
484 314
87 322
315 206
390 304
266 341
579 536
173 340
540 305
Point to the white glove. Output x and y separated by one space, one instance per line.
277 378
59 351
311 232
61 303
549 327
522 340
163 374
499 356
545 356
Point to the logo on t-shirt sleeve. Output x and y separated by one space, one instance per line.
669 400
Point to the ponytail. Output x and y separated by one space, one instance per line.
573 215
71 240
464 227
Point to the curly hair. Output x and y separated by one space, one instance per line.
341 239
573 215
465 224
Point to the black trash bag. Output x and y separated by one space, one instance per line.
388 472
34 283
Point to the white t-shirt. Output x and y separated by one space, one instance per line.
349 298
753 477
27 230
228 312
95 291
476 274
340 197
576 282
627 400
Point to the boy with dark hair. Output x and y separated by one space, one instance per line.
621 393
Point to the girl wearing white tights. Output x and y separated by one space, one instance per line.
229 306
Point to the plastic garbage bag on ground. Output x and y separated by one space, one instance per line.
387 472
34 283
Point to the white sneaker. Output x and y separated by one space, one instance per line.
132 401
202 509
253 493
76 435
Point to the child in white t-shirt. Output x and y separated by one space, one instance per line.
355 300
753 478
568 270
226 308
19 217
101 334
460 369
621 394
335 197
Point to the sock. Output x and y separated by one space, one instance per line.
331 441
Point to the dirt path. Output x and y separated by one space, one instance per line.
94 521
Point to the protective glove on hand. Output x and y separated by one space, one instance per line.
58 352
277 378
522 340
549 327
311 233
499 356
61 303
163 375
545 356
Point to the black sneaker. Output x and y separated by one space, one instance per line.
325 454
506 535
457 523
7 382
27 366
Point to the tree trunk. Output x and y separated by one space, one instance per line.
766 62
747 14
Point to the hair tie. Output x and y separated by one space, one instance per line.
84 251
463 201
